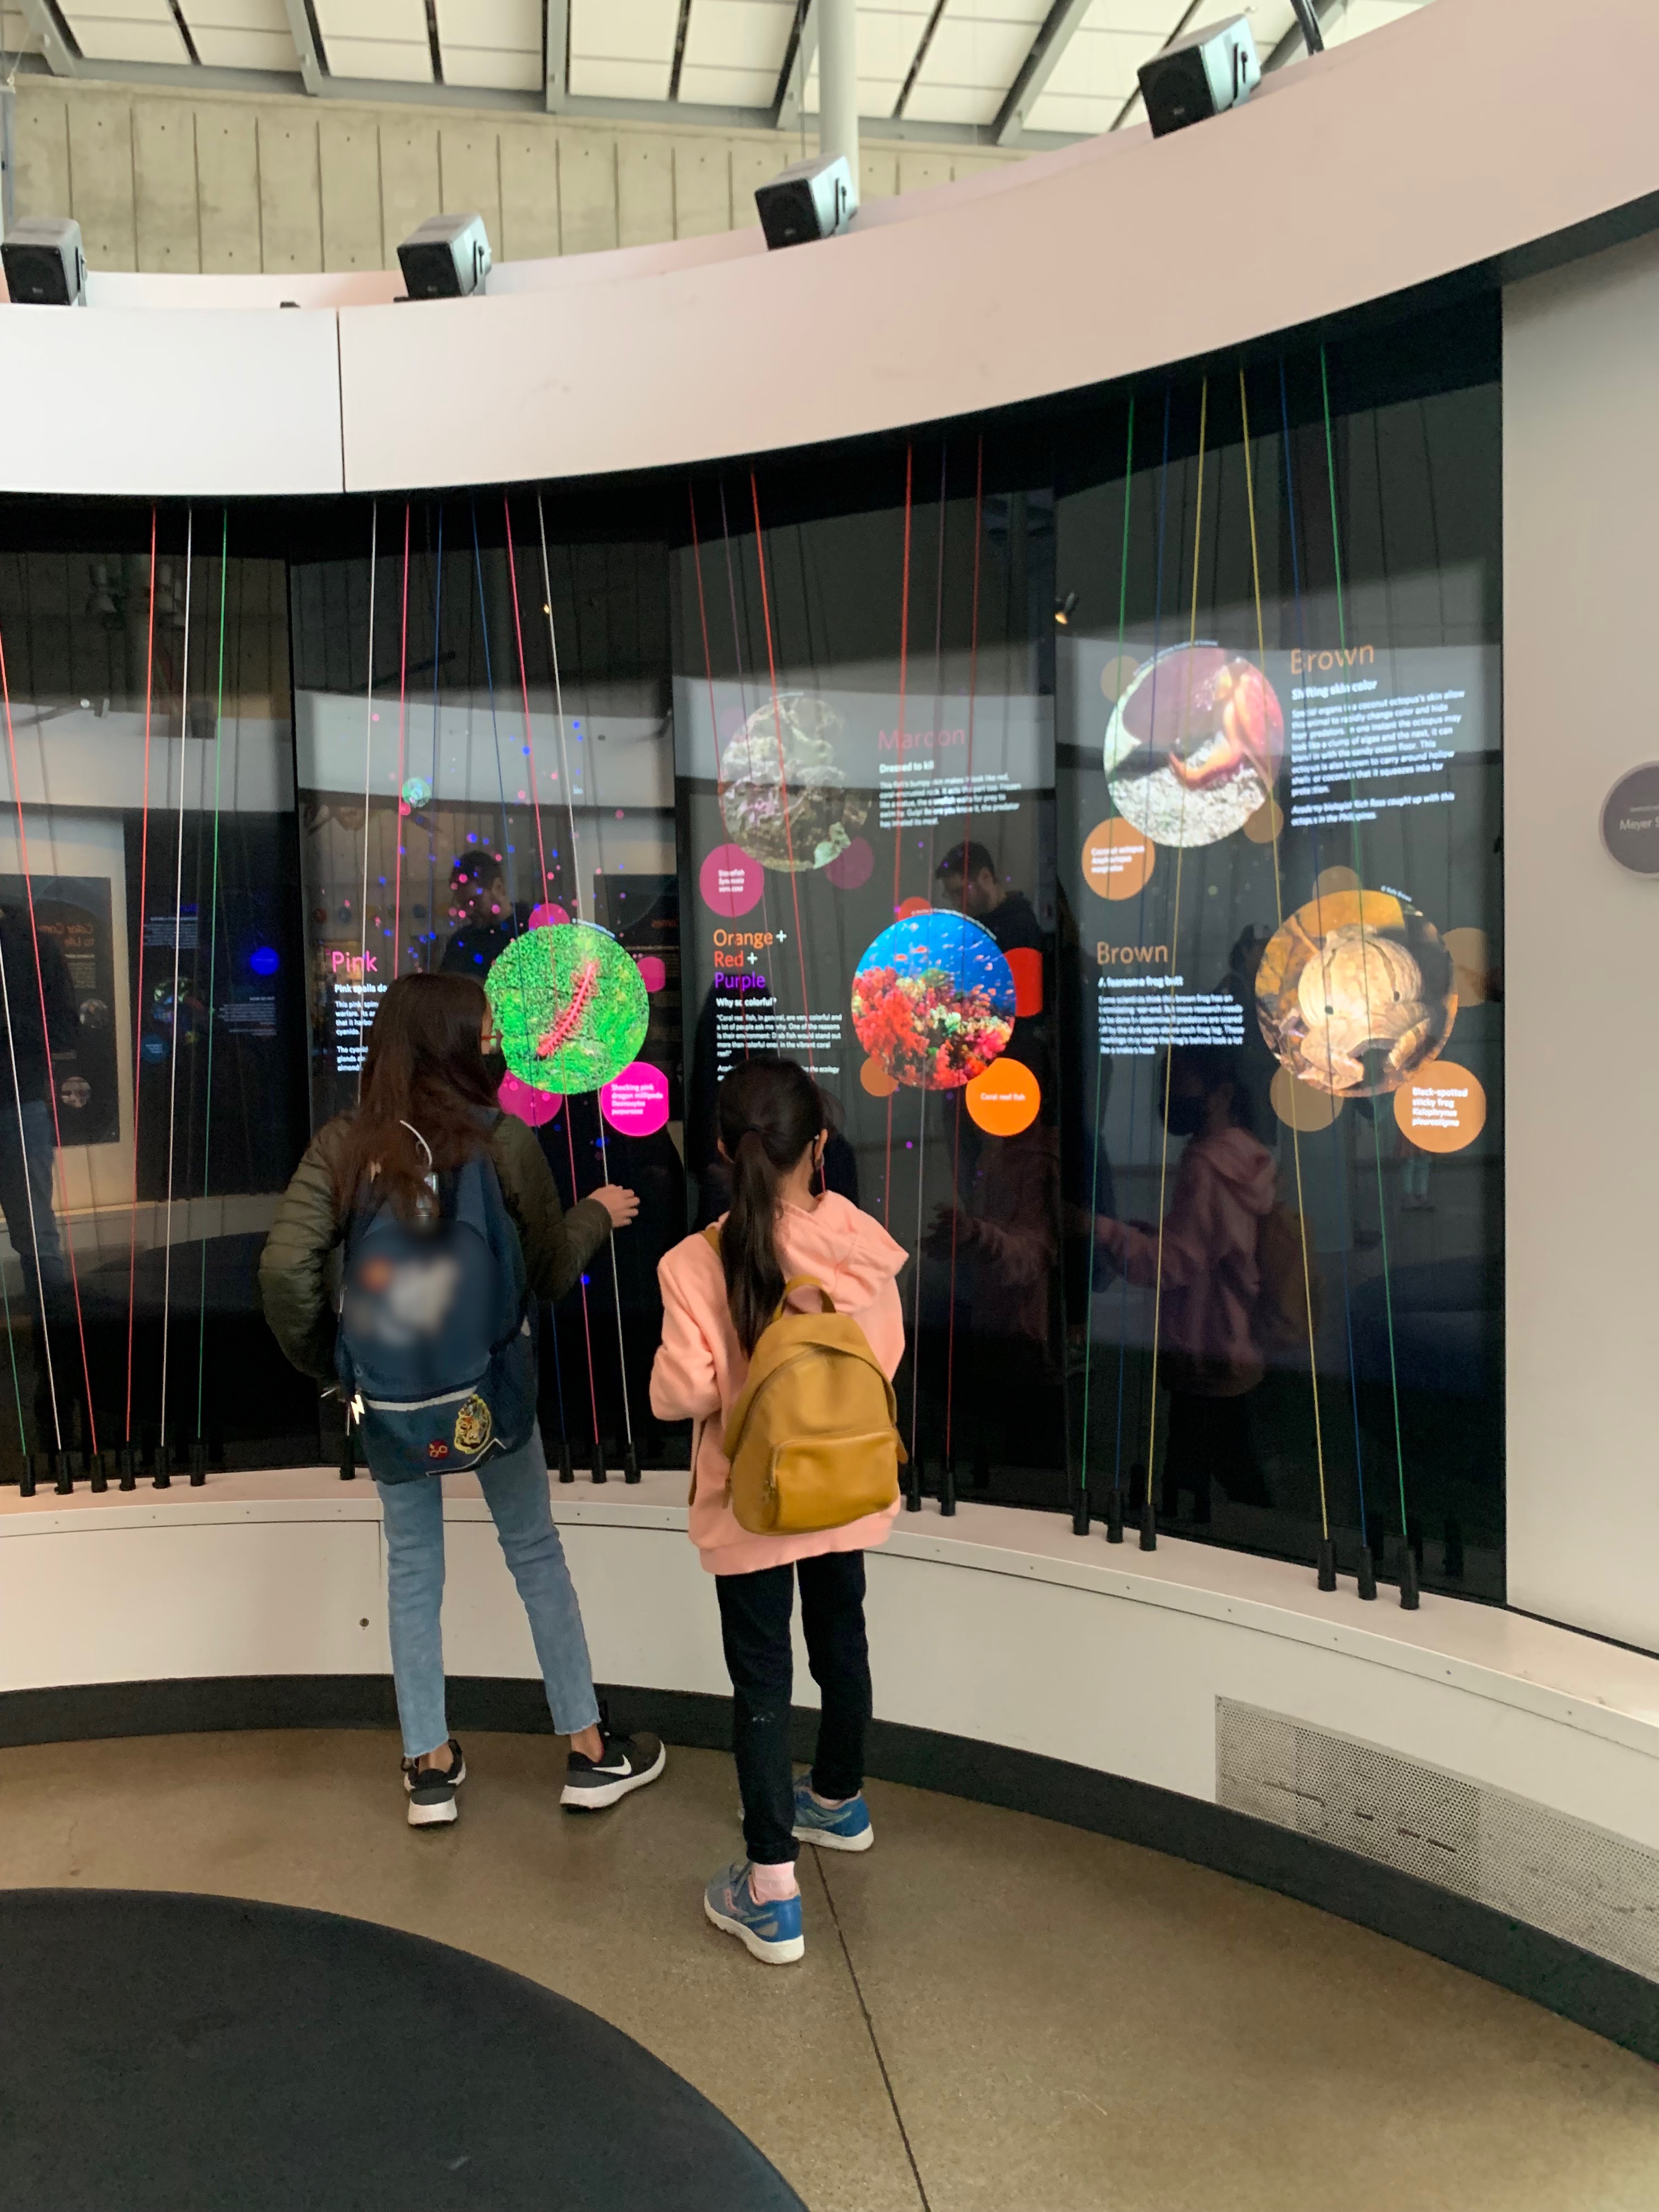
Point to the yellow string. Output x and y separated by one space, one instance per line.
1279 912
1175 947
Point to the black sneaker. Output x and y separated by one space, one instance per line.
625 1763
431 1794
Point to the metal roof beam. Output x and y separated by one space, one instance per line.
1034 71
1292 46
798 61
57 40
303 32
556 39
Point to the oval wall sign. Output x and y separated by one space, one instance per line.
1630 820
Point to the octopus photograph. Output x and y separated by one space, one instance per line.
1355 992
1193 746
784 793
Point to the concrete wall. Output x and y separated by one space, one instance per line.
238 183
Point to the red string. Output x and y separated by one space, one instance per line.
713 714
588 1326
783 787
524 685
138 971
51 1087
898 792
967 818
397 811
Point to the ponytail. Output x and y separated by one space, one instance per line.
769 1113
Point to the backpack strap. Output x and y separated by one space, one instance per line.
804 1283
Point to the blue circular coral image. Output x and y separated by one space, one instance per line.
933 1001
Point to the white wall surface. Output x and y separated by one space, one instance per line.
1581 496
1001 1626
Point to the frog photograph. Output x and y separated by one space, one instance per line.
1356 991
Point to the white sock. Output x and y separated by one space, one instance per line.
829 1804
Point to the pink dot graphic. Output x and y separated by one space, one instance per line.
730 881
652 973
635 1102
536 1107
851 868
548 915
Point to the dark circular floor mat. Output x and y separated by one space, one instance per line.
190 2053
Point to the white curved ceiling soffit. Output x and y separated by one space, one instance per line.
1000 72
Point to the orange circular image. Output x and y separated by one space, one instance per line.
910 906
1355 992
1299 1106
1330 881
1442 1109
1117 858
876 1079
1117 675
1005 1099
1265 824
1471 963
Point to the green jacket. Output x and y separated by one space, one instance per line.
294 1285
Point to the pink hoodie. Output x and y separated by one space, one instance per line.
700 1369
1224 1187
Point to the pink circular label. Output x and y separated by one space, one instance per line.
652 973
536 1107
549 916
635 1102
851 867
730 881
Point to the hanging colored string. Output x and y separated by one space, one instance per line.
576 873
1100 1056
576 900
967 821
398 802
1174 939
1364 963
34 1240
213 954
1271 805
783 781
1339 1179
368 752
178 932
431 801
898 788
138 973
714 716
921 1096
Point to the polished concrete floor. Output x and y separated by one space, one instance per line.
995 2014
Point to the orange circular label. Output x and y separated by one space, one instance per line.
876 1079
912 906
1005 1098
1116 859
1298 1105
1265 824
1441 1109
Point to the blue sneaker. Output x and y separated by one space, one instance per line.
770 1932
834 1827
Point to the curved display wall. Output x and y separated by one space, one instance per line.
1104 802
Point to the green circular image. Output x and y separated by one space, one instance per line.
571 1007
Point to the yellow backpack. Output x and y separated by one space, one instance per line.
811 1442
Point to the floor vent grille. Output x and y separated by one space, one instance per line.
1577 1881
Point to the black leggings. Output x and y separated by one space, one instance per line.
755 1612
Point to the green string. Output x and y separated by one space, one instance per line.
1376 1142
213 951
1100 1057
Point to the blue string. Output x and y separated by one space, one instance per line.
432 833
1344 1212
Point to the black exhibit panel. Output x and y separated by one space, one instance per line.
208 2053
863 735
486 789
151 1098
1280 798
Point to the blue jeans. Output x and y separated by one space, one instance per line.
515 1491
26 1197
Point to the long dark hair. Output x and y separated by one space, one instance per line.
425 1068
769 1112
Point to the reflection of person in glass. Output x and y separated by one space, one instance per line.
486 921
968 878
26 1118
1209 1358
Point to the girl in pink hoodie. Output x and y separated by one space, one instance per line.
715 1304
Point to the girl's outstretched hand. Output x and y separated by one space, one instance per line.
621 1205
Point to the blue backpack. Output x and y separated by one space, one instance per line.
436 1349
